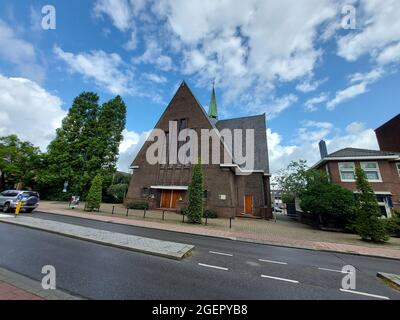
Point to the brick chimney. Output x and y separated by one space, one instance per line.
322 149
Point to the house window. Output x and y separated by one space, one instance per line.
347 171
398 168
371 170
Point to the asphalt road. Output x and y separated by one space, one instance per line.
218 268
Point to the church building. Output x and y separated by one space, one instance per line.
230 188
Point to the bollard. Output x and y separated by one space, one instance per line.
206 218
183 218
144 213
113 210
127 211
230 223
163 213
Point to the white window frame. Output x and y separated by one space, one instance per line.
347 170
373 170
398 168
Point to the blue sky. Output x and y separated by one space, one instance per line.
292 60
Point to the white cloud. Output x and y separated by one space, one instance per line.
154 55
390 55
29 111
19 52
379 25
118 10
310 104
359 85
279 105
356 135
154 78
248 44
107 70
129 148
309 86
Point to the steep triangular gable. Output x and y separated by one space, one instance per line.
183 105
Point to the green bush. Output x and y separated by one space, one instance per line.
210 214
368 223
195 209
184 211
93 199
138 205
328 204
392 225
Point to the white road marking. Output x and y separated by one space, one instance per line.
332 270
365 294
272 261
281 279
215 267
221 253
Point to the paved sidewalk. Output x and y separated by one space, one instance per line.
14 286
282 233
173 250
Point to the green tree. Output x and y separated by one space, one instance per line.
368 223
195 208
19 162
86 143
328 203
293 180
93 199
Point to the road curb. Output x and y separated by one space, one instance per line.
186 251
34 287
245 240
392 279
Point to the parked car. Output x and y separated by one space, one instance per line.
9 200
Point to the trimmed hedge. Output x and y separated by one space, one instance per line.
138 205
210 214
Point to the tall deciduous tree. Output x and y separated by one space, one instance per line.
19 162
368 223
86 144
195 208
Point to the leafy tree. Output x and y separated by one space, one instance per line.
328 203
195 208
293 180
93 199
86 143
19 162
118 191
368 223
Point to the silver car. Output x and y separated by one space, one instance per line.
9 200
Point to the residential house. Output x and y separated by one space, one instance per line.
381 167
229 189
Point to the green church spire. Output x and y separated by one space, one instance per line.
213 109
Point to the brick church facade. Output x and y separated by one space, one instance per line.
229 189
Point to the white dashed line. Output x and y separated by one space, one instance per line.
214 267
365 294
221 253
281 279
332 270
272 261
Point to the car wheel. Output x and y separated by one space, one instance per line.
6 208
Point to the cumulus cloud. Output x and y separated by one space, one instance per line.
154 78
304 145
309 85
29 111
108 71
20 53
378 31
154 55
129 148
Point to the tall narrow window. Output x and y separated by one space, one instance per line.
347 171
398 168
371 170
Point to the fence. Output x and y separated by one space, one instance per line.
161 215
